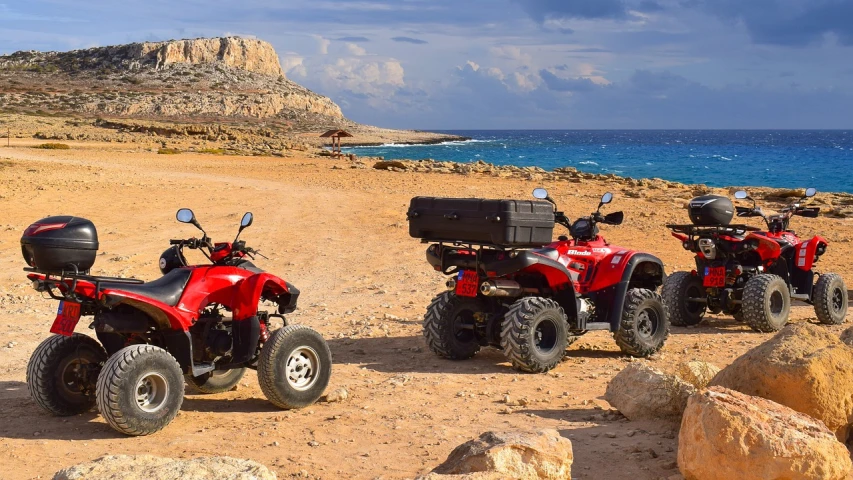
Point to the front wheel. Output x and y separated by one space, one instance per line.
830 299
535 335
62 373
294 367
683 295
140 389
644 327
766 303
449 326
217 381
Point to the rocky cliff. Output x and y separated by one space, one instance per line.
201 79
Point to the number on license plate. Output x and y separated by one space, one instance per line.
66 318
714 277
466 283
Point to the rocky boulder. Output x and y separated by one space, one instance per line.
698 374
641 392
536 455
847 337
148 467
726 434
804 367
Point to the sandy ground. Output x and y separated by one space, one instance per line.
340 235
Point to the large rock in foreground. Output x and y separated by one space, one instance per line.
641 392
697 373
726 434
497 455
148 467
804 367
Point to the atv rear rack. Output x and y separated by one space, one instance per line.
476 249
64 276
695 230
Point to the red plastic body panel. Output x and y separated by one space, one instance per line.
593 265
235 288
806 252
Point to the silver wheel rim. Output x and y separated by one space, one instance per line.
151 392
302 368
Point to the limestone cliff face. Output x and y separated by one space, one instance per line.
210 77
243 53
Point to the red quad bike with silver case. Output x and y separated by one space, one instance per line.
532 303
198 323
753 275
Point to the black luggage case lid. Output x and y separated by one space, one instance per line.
60 243
500 222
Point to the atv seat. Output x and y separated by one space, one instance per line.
166 289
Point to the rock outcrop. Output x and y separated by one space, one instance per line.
498 455
148 467
696 373
804 367
641 392
726 434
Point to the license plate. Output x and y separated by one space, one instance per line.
467 283
66 318
714 277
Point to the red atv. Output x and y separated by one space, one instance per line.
200 323
533 302
751 274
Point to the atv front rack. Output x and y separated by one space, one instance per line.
51 281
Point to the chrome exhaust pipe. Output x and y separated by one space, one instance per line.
451 284
500 288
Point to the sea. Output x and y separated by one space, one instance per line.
773 158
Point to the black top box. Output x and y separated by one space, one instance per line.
60 244
504 223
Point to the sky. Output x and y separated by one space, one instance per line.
511 64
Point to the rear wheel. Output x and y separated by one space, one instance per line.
62 373
449 326
644 327
217 381
830 299
766 303
679 291
534 335
140 389
294 367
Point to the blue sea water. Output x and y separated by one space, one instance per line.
775 158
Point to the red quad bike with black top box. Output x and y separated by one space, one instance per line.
513 288
751 274
198 324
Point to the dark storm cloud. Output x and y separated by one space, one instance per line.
415 41
787 22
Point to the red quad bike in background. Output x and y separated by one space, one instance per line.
515 289
197 323
751 274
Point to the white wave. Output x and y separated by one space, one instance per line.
588 162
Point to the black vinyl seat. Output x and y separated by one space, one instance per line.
166 289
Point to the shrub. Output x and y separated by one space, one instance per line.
168 151
212 151
53 146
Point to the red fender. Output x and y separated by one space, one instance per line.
680 236
806 252
768 249
247 293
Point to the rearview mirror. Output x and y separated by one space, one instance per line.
741 194
540 193
606 198
811 192
247 220
185 215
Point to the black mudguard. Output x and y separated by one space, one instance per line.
620 290
246 334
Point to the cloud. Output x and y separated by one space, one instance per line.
559 84
540 10
371 78
354 49
322 44
293 65
513 53
415 41
353 39
787 22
